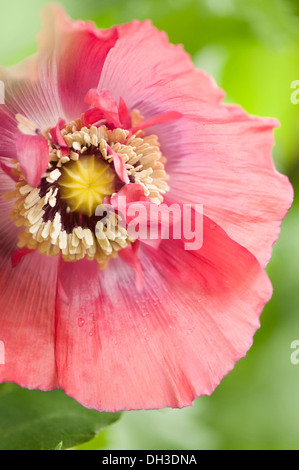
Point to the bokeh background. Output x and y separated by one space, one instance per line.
251 47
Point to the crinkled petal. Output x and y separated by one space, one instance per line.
147 62
10 171
129 193
221 158
56 135
169 343
124 114
217 155
33 156
79 50
18 255
104 101
93 116
119 166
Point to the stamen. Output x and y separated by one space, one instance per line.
87 166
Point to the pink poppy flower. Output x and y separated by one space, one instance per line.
117 323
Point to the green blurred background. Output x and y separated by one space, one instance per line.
252 50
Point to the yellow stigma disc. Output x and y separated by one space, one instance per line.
85 183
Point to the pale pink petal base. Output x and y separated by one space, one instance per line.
53 83
223 160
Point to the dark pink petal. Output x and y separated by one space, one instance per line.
105 107
168 344
18 255
27 302
56 133
92 116
215 150
157 120
33 156
81 50
104 101
124 115
119 166
57 138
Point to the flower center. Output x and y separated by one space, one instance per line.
85 183
86 165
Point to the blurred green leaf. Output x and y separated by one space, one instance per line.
35 420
